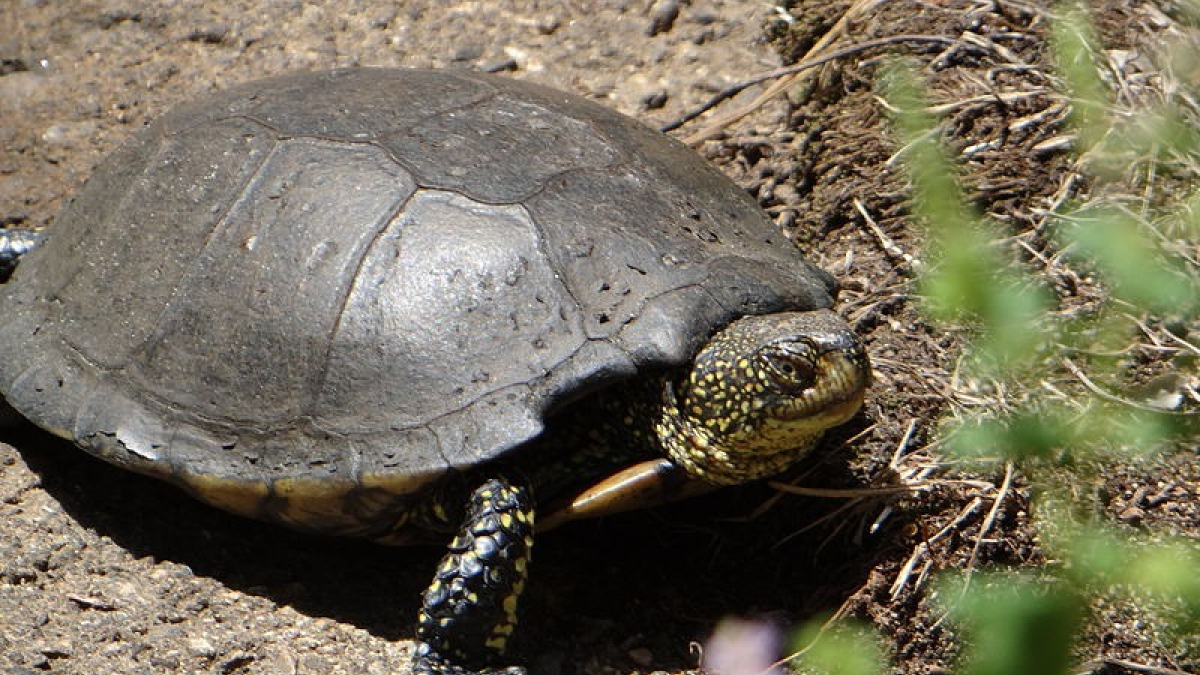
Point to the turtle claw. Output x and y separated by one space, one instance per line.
427 662
14 243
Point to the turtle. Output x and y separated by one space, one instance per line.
418 305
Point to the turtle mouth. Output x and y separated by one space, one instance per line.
781 431
842 378
762 393
786 427
786 423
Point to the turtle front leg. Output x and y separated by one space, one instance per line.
15 243
470 609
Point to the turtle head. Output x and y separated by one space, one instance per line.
760 394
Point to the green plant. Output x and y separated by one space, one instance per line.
1072 406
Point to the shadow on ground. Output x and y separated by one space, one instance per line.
602 594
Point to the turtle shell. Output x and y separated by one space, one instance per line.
305 298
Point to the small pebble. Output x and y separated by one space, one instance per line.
662 16
641 656
655 100
202 647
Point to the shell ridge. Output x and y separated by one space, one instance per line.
181 283
322 379
21 375
282 136
558 273
545 183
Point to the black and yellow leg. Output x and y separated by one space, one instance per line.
14 243
470 609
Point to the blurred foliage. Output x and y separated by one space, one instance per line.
1075 48
1016 334
842 648
971 280
1140 271
1018 623
1053 414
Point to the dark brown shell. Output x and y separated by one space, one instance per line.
347 282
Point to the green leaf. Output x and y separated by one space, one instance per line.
1137 271
842 649
1016 624
1074 41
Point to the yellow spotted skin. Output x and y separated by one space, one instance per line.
756 399
760 394
470 608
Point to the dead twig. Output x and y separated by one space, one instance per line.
1113 398
838 31
1002 97
886 243
906 571
989 521
902 446
1106 665
794 69
854 493
966 512
820 521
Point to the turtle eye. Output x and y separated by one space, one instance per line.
790 365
